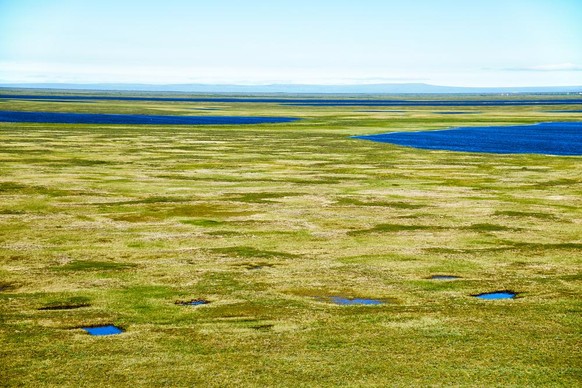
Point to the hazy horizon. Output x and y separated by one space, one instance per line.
514 43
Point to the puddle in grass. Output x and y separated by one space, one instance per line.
444 277
7 286
193 302
354 301
265 327
103 330
496 295
65 306
256 266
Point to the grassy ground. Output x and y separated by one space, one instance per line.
114 224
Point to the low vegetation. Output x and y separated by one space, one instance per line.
112 224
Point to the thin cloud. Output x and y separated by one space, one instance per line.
553 67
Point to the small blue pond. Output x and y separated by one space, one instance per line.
496 295
443 277
542 138
93 118
103 330
197 302
193 302
354 301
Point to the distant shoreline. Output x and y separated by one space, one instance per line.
368 89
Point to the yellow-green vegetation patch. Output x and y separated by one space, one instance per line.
66 303
389 204
487 227
381 228
203 222
260 197
92 265
250 252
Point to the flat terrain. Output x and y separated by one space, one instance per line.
112 224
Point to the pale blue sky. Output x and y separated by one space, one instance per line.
446 42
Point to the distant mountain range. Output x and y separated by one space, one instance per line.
408 88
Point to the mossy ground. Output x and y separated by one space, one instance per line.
116 223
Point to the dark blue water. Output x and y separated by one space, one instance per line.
455 113
197 302
542 138
67 101
381 110
86 118
564 111
347 102
354 301
309 101
193 302
497 295
444 277
431 103
103 330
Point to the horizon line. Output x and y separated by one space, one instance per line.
243 84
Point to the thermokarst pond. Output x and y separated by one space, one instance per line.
443 277
354 301
542 138
193 302
93 118
496 295
103 330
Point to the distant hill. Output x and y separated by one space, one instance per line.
408 88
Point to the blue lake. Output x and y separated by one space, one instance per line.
354 301
497 295
65 101
542 138
310 101
378 102
103 330
92 118
564 111
381 110
455 113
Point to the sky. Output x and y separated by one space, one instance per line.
441 42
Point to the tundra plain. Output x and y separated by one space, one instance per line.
112 224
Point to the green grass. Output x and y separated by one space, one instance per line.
113 224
